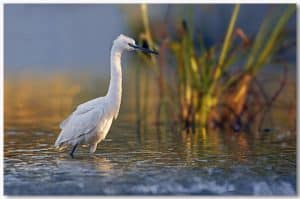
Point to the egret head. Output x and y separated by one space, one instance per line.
126 43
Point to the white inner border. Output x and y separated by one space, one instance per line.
131 2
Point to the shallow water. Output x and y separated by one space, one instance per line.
132 161
155 162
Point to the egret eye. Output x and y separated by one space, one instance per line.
131 45
146 50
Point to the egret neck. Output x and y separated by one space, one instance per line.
115 85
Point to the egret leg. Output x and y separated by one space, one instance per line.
73 150
93 148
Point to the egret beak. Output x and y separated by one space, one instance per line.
143 49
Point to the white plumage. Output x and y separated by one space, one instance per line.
91 121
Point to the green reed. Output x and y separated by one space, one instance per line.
206 80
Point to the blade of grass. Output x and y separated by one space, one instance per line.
274 36
259 39
145 18
219 69
227 42
144 10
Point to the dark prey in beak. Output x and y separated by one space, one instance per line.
143 49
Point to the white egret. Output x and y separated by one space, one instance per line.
91 121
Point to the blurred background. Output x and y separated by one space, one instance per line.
224 85
66 49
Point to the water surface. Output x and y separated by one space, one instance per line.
156 163
130 161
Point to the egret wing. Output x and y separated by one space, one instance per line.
63 123
82 108
82 121
89 105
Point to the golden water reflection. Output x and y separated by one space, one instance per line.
37 104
